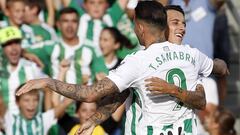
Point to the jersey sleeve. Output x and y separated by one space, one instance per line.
115 13
8 122
205 64
126 73
48 120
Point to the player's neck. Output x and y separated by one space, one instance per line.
71 41
13 24
36 21
109 58
154 39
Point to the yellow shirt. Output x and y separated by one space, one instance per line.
98 130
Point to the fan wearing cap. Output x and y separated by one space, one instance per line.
15 10
19 69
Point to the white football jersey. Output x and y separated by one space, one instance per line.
178 64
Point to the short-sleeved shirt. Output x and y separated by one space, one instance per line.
200 16
90 29
16 124
26 70
43 32
176 64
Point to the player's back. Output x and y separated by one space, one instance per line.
176 64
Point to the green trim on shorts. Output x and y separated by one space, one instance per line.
149 130
188 125
165 127
133 124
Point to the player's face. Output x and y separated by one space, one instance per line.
68 25
16 13
96 8
176 24
86 110
28 104
28 15
13 52
107 43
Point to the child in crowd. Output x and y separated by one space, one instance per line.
18 69
95 17
42 31
29 121
86 110
15 10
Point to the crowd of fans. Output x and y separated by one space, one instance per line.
79 41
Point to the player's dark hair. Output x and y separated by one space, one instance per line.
153 13
34 3
68 10
175 7
32 92
119 37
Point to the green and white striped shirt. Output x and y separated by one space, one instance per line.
27 32
83 59
90 29
38 125
43 32
25 71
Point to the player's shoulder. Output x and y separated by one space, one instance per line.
27 63
3 24
46 43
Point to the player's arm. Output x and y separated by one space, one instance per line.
220 67
73 91
193 99
51 12
107 106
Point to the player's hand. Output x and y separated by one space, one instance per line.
159 86
33 58
32 85
64 65
86 128
100 76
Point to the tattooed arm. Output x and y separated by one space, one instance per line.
193 99
73 91
107 106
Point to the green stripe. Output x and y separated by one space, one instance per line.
77 59
61 56
165 127
42 124
90 30
5 90
22 76
188 125
29 127
36 124
123 123
133 125
149 130
14 129
21 126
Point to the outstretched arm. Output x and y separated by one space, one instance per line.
107 106
193 99
73 91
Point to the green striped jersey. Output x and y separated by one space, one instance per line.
43 32
133 113
16 124
90 29
27 33
25 71
83 59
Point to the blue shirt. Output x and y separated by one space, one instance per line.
199 31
